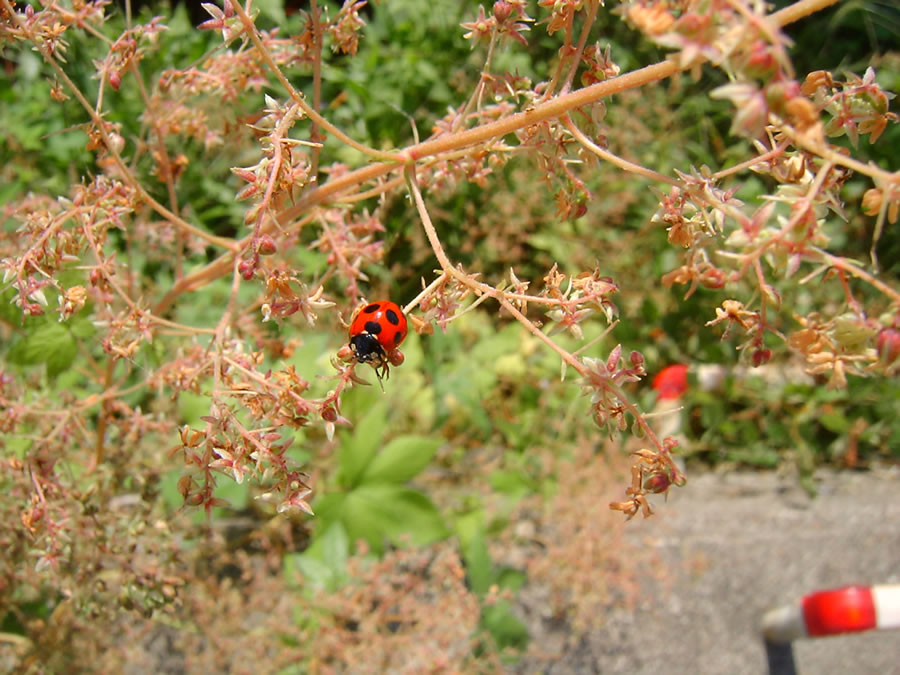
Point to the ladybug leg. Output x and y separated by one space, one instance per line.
366 349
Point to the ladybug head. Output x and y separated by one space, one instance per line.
367 349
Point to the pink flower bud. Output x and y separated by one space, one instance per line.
657 483
761 356
267 245
712 278
247 269
502 10
888 344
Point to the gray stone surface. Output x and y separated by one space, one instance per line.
736 545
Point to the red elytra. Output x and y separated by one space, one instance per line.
384 320
376 330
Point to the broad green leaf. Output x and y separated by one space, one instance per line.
168 487
192 407
510 579
401 459
412 516
359 449
835 421
51 344
328 509
236 494
357 402
512 483
363 520
316 574
382 512
82 328
273 10
468 525
296 669
335 547
324 563
479 568
506 629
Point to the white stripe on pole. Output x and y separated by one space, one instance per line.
887 606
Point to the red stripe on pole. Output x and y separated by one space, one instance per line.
843 610
671 382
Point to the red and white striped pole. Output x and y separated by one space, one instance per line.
851 609
673 381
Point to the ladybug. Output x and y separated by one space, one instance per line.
376 330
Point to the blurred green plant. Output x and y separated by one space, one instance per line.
489 581
373 503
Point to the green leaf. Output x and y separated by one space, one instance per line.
335 547
479 568
506 629
273 10
382 512
236 494
82 328
401 459
60 359
168 487
192 407
356 452
16 446
513 483
835 421
51 344
328 509
324 563
510 579
316 574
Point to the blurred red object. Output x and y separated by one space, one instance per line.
671 382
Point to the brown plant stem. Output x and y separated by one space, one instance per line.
541 112
294 94
485 289
315 17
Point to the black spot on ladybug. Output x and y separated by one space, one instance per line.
398 336
391 316
371 309
373 327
